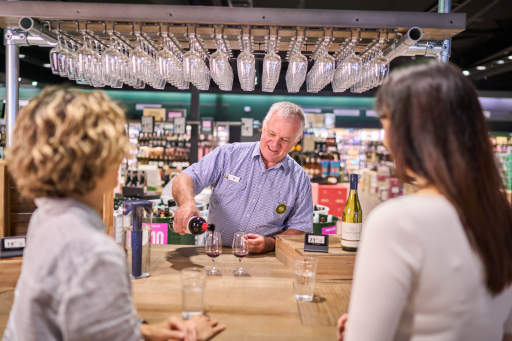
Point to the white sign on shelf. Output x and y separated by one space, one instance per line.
346 112
247 127
148 124
180 125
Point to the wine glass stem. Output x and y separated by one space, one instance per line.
239 263
213 259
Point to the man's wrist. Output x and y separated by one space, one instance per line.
270 244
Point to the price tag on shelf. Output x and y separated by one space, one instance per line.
180 125
316 242
247 127
148 124
12 247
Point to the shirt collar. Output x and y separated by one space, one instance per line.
283 163
55 205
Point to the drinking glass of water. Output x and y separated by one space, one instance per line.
305 274
192 292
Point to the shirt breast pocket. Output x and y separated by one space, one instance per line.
281 207
228 192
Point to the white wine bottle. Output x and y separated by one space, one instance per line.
352 219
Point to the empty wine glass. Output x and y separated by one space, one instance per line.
85 62
296 73
54 57
271 66
213 248
321 73
240 250
246 65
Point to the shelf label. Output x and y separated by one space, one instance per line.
180 125
247 127
14 243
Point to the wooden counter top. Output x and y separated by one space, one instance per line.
260 306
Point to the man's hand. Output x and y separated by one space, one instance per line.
174 328
260 244
183 215
207 327
342 327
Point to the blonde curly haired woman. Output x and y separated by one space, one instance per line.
74 284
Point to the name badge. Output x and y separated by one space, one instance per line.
231 177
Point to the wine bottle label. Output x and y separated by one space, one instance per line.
350 234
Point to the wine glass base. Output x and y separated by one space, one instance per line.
213 272
240 272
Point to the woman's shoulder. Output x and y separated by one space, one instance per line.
413 205
411 211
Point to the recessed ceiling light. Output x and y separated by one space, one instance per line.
500 62
47 65
465 73
481 68
19 79
22 56
34 83
509 57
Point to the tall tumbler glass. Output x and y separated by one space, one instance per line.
305 274
192 292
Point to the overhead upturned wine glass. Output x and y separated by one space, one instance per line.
240 250
246 65
296 73
213 248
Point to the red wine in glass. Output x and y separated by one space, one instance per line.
241 254
240 250
213 254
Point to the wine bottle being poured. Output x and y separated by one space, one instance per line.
196 225
352 219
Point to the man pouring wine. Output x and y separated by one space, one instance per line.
257 187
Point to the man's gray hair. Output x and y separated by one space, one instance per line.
286 110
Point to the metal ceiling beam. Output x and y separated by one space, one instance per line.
10 12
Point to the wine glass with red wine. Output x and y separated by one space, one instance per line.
240 250
213 248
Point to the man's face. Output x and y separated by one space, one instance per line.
278 138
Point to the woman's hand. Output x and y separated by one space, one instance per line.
207 327
174 328
342 329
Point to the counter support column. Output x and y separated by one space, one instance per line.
445 6
194 116
12 71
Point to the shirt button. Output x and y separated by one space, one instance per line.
260 186
247 215
253 200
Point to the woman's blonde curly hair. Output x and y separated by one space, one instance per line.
64 140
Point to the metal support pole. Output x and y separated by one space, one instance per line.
445 6
194 116
12 71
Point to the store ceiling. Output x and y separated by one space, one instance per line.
486 40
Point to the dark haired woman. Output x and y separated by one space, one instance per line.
436 265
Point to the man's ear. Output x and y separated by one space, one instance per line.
298 140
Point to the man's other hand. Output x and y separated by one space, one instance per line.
183 215
260 244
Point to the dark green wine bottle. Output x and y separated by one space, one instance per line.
352 219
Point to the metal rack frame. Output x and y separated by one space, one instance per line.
437 28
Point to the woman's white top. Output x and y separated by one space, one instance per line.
417 278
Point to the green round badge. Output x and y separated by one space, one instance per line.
281 209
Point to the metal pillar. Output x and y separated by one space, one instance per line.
194 116
445 6
12 72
